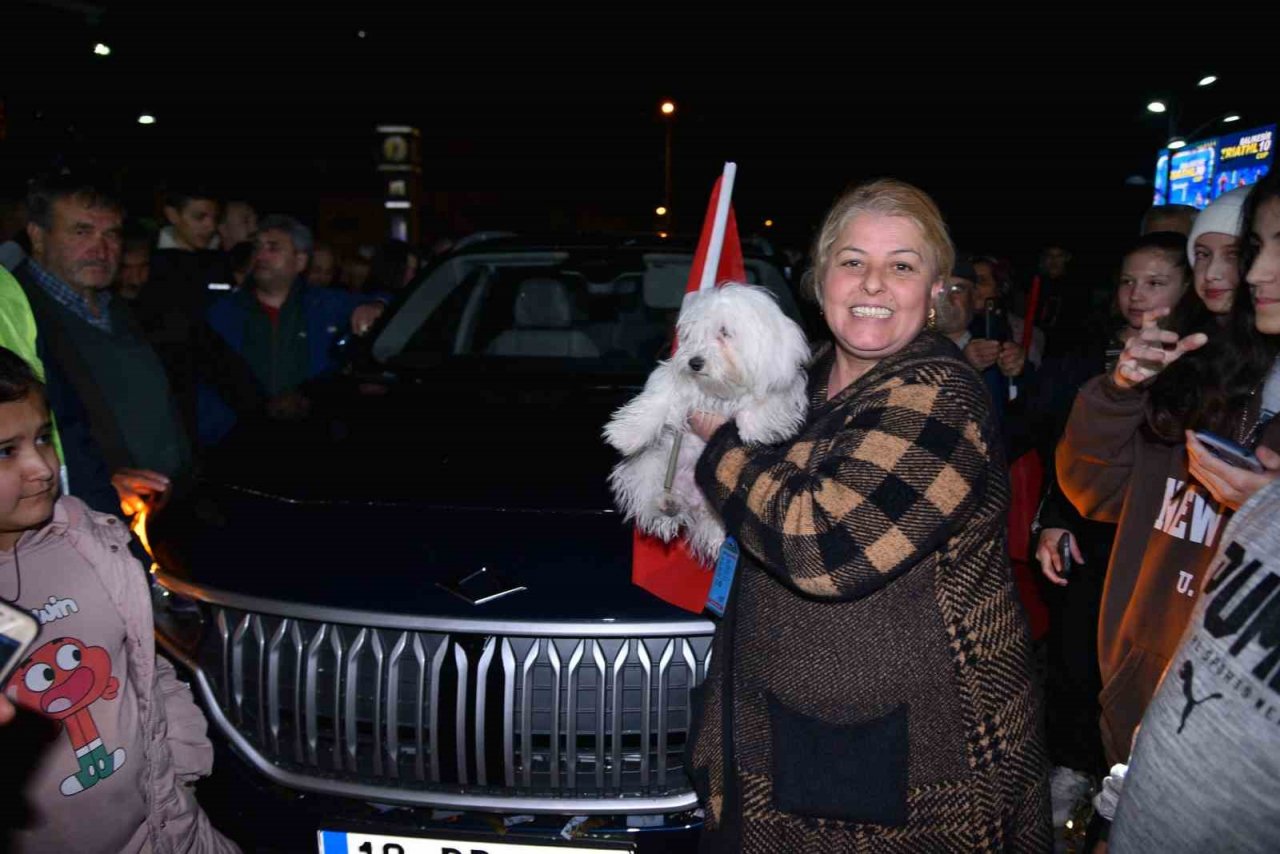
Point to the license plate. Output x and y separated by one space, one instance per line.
340 842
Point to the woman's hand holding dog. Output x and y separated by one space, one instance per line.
703 424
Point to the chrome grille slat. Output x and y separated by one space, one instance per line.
273 682
508 713
375 648
482 677
260 667
617 686
312 693
351 695
419 705
526 713
336 646
224 635
600 719
393 704
571 714
437 664
295 637
460 713
646 710
664 675
601 682
237 666
553 752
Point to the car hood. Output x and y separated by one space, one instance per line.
380 510
496 442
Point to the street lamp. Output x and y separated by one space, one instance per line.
668 110
146 119
1176 111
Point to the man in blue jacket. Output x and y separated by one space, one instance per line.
284 330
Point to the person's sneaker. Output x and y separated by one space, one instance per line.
1066 787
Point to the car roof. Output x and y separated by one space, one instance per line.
631 242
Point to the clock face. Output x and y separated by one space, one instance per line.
395 149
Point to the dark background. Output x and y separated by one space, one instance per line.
1023 126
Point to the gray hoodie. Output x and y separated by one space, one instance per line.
1205 772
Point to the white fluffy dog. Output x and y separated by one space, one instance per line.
739 355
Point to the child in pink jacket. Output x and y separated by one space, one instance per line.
116 779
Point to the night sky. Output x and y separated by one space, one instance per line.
1023 128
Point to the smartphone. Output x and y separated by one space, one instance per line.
1230 452
1064 554
18 630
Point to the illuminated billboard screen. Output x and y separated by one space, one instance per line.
1203 170
1243 158
1191 174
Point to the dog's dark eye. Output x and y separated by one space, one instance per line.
724 332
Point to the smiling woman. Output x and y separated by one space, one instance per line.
883 253
871 674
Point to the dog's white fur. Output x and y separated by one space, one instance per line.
750 359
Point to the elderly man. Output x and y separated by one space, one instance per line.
90 341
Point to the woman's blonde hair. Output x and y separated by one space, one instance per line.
887 197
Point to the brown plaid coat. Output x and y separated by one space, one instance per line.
869 688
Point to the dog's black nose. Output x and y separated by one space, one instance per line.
696 363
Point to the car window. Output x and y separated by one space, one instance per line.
571 312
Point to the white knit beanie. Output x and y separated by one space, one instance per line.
1221 217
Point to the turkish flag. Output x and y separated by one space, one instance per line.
668 570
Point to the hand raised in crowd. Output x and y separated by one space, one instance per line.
1230 485
1047 554
364 316
139 489
1012 359
982 353
1152 350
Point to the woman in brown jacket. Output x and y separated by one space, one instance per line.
869 688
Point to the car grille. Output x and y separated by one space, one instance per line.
411 715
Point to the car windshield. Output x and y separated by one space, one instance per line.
564 310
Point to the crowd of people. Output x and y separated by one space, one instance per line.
998 562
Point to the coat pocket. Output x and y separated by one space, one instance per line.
848 772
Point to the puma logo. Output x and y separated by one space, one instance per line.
1186 673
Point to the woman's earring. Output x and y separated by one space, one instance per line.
933 319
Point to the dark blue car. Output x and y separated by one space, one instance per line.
410 616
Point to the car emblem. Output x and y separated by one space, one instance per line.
481 586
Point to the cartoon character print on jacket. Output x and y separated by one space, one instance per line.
61 679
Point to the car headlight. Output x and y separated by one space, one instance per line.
179 618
